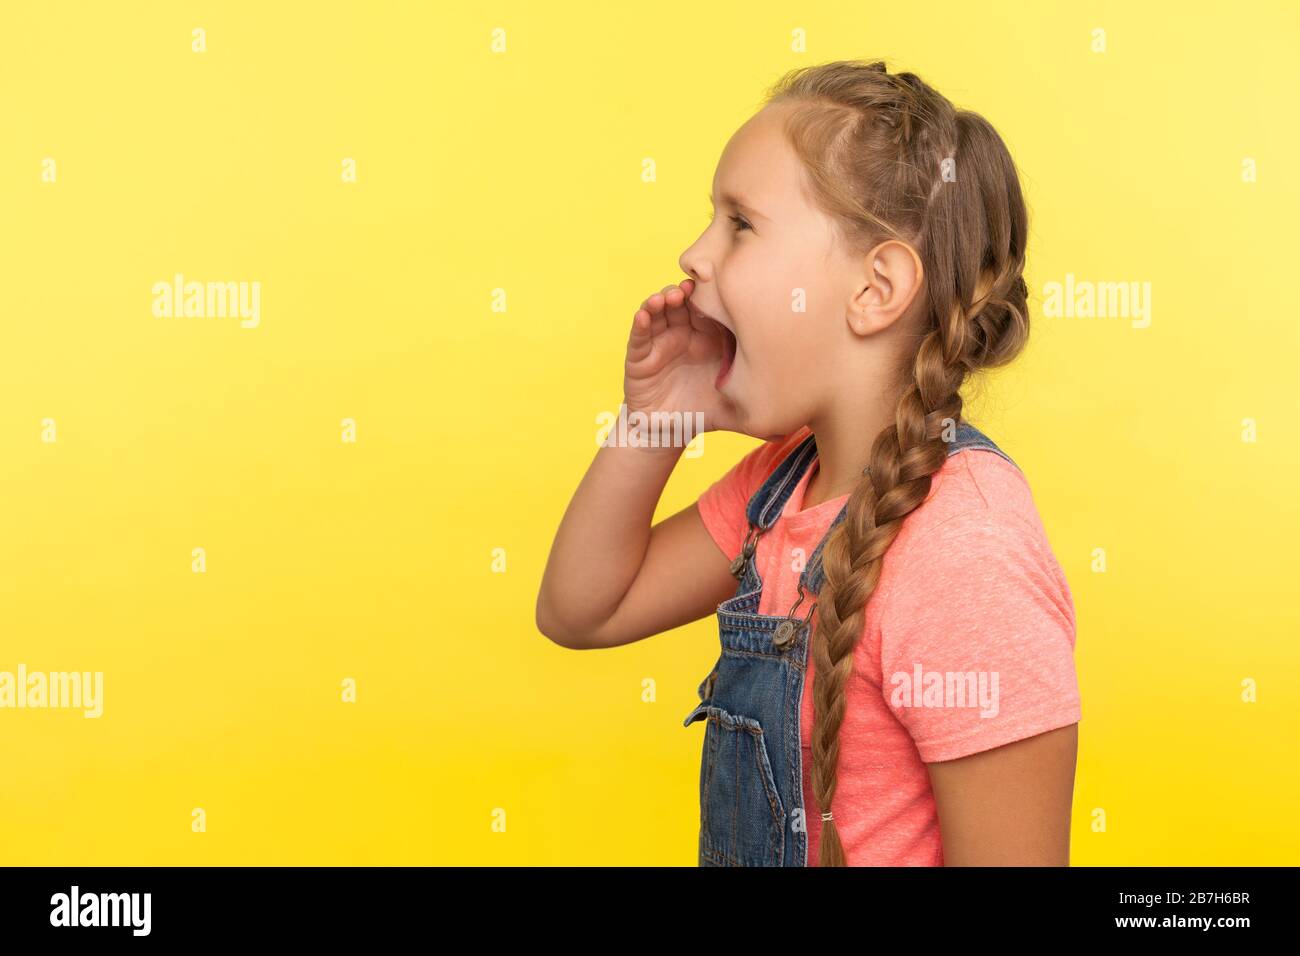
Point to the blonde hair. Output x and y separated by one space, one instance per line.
890 157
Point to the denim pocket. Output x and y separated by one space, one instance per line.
742 819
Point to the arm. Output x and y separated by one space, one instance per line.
1009 806
611 578
995 604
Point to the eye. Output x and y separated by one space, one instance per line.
740 224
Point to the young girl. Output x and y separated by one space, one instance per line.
896 682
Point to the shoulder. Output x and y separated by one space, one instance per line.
723 504
978 539
975 589
975 488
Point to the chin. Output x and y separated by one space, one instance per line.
760 426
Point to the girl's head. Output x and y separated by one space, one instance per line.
851 213
771 268
879 250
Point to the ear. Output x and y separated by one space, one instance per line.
891 279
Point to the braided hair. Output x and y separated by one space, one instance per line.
890 157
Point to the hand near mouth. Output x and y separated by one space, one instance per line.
673 358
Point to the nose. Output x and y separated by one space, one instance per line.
695 264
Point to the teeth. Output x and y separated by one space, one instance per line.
704 315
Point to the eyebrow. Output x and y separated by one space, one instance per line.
738 203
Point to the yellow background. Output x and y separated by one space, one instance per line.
521 171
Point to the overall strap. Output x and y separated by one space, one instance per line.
769 501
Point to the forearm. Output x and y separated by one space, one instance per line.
602 538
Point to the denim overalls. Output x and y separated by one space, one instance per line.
751 774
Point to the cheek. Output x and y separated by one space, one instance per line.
771 299
757 286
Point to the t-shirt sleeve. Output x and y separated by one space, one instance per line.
723 504
977 637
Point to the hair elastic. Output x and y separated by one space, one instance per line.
827 815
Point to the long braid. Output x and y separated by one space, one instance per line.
875 146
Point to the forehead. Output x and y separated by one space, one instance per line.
759 168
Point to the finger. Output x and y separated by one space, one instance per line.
640 325
647 324
657 305
663 294
688 287
675 307
657 300
640 340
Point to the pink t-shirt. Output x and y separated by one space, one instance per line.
969 586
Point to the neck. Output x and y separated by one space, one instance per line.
844 440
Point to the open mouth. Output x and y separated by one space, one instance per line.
728 345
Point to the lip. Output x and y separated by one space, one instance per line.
725 368
705 315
